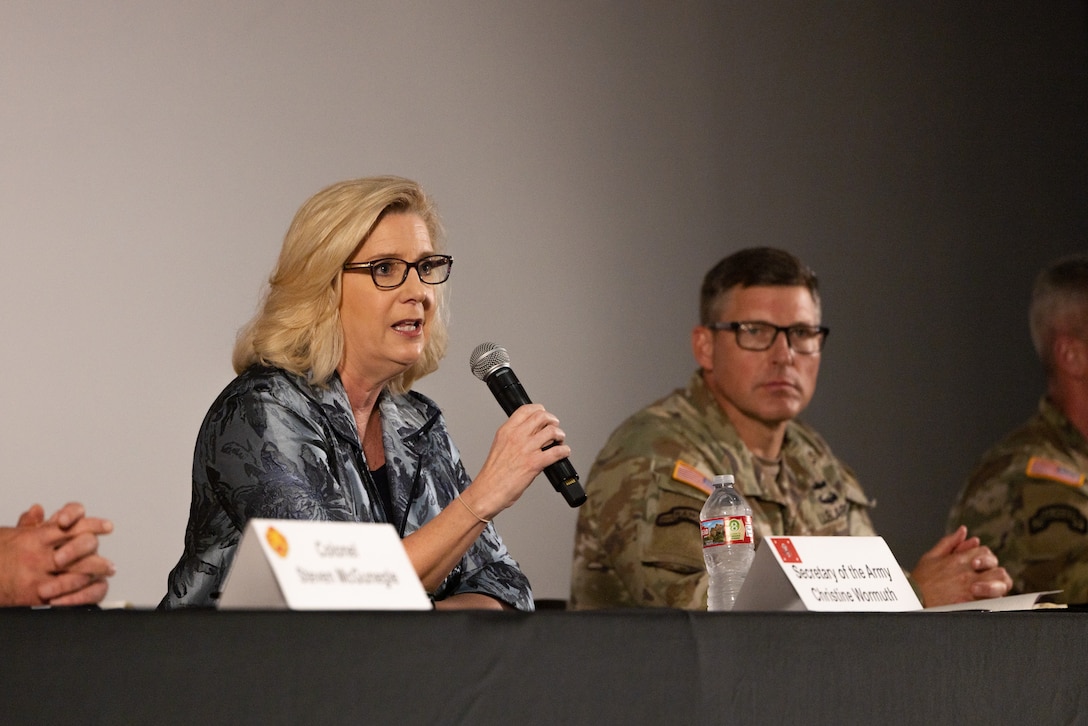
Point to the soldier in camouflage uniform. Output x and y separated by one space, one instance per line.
758 348
1027 498
638 532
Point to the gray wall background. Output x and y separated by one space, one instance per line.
591 161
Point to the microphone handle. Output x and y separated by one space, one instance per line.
564 480
508 391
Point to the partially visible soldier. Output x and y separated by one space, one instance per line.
758 347
1027 497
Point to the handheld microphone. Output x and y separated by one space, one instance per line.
491 364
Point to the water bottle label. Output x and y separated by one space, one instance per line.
727 530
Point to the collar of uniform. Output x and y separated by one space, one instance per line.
1071 436
725 437
740 456
706 406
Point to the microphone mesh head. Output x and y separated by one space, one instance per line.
487 357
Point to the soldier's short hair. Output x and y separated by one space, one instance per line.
754 266
1059 303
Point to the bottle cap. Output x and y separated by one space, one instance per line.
722 479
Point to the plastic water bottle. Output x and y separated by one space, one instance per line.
728 546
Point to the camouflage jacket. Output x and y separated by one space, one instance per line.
1026 499
274 446
638 541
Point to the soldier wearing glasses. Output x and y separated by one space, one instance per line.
758 348
321 422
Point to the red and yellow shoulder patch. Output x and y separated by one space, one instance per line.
1040 468
688 474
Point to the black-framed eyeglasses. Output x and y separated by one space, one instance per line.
758 335
391 272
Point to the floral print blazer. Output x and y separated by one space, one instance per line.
275 446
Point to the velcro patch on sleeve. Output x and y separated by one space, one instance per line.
688 474
1039 468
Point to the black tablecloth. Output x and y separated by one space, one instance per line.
121 667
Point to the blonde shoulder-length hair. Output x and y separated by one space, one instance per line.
297 327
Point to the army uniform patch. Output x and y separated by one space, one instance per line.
1039 468
678 515
829 506
1071 517
688 474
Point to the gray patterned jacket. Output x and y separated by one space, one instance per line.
276 447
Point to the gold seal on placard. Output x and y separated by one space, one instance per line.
277 541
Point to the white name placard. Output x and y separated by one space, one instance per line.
302 565
826 574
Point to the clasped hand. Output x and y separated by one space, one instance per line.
960 569
54 561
